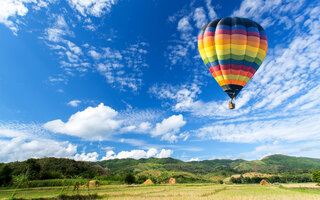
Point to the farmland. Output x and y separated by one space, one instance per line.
176 191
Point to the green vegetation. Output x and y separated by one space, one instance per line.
48 172
5 175
316 177
304 178
130 178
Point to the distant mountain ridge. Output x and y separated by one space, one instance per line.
161 168
271 164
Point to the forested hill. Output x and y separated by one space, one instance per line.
270 164
47 168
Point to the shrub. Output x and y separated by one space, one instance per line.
316 177
130 178
5 175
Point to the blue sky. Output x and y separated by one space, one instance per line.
104 79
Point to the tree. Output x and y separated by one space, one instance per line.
316 177
5 175
33 169
130 178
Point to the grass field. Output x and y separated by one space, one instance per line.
179 191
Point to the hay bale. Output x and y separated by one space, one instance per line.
172 181
148 182
92 183
264 182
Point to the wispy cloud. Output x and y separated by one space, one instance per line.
74 103
11 10
121 68
268 13
188 22
92 7
22 141
299 128
306 149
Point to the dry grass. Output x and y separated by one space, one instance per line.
301 185
185 192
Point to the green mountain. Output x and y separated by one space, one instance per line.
161 169
270 164
291 162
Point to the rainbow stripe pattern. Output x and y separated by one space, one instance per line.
233 49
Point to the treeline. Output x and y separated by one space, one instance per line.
273 179
47 168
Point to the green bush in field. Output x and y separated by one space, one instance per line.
302 178
316 177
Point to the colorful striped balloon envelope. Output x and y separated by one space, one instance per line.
233 49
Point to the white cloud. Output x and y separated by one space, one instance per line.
168 128
184 25
183 95
74 48
57 37
142 119
306 149
74 103
11 9
183 49
92 123
87 157
200 17
299 128
22 141
122 69
212 14
95 54
92 7
138 154
144 127
193 159
59 29
103 122
268 13
164 153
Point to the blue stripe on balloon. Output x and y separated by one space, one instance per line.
210 29
239 27
253 29
225 27
235 62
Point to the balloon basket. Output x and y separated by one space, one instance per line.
232 105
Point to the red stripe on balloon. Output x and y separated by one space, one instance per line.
223 31
209 33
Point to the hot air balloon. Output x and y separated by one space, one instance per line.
233 49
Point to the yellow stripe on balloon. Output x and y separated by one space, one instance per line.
238 52
238 47
223 47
